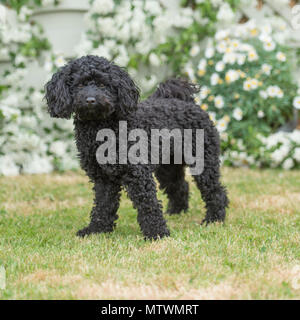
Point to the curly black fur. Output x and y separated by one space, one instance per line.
100 94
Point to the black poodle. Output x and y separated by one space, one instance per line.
101 94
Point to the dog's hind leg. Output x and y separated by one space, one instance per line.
212 191
141 189
172 182
104 212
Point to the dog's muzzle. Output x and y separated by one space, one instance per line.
94 109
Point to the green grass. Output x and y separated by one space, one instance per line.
255 255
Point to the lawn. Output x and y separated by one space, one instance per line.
255 255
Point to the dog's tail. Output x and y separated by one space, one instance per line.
176 89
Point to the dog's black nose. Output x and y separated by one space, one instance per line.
90 100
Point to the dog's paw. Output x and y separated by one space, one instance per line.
206 222
174 211
176 208
159 235
84 232
92 229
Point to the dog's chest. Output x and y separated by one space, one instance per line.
91 138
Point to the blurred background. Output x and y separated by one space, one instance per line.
244 54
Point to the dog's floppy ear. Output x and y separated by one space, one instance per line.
127 91
58 96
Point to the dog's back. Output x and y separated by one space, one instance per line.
177 89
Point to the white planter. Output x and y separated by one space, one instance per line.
63 24
36 76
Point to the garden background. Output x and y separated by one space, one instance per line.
244 54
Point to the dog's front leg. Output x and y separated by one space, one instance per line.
104 212
141 189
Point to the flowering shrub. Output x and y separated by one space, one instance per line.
137 34
282 149
153 39
247 87
30 141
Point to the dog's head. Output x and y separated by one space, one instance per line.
91 87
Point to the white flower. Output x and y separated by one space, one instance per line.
102 51
247 85
231 76
24 13
202 64
221 46
9 112
297 154
8 167
250 84
19 59
281 56
60 61
263 94
209 52
58 148
252 56
189 72
278 155
269 45
154 59
224 136
219 102
253 32
3 14
254 83
37 164
153 7
220 66
280 93
247 47
295 136
288 164
214 79
266 29
122 58
260 114
204 92
266 68
68 163
222 125
274 91
194 50
225 13
235 44
148 84
241 59
103 6
238 114
229 58
37 98
212 116
271 91
221 34
264 37
296 102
